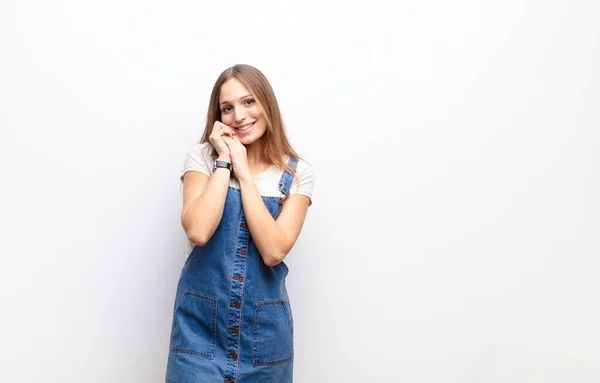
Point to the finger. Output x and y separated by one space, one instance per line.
228 131
237 140
216 132
221 129
230 138
218 126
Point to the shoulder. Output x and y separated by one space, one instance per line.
201 150
304 170
304 165
304 180
199 159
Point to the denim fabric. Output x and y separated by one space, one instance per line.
232 320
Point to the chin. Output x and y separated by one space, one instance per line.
249 140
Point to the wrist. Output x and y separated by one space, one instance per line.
244 179
222 164
224 158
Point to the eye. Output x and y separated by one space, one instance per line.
249 102
226 109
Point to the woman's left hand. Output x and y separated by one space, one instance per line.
239 158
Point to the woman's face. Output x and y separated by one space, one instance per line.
240 111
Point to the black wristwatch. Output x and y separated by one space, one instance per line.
222 164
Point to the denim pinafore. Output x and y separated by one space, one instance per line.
232 320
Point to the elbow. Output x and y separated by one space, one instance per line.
274 259
197 238
193 232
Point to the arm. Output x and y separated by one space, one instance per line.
204 196
203 202
273 238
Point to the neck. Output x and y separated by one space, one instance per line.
254 154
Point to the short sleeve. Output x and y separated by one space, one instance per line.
304 181
198 160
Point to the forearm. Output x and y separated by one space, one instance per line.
202 217
269 238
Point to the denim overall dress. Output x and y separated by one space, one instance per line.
232 320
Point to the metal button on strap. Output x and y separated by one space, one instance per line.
239 278
244 225
234 330
229 381
237 305
242 252
281 200
233 356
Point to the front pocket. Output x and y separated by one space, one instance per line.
195 325
273 333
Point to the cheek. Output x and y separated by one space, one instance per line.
255 113
226 119
262 128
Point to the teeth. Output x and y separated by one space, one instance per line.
246 127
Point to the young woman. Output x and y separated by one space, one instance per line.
245 197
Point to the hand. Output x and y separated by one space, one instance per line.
219 131
239 157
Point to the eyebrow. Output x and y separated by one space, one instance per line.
241 98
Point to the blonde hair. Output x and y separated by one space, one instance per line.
275 142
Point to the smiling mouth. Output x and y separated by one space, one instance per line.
245 127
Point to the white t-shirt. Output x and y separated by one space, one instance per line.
267 182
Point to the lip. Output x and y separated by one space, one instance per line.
244 132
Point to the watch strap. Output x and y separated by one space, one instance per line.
222 164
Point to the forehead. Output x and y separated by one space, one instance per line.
232 90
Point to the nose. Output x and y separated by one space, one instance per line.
239 114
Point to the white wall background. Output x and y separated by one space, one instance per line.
454 231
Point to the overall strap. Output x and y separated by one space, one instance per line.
286 179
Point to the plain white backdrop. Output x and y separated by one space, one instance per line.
454 235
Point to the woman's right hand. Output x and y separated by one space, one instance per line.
216 138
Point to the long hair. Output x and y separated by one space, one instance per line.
275 143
